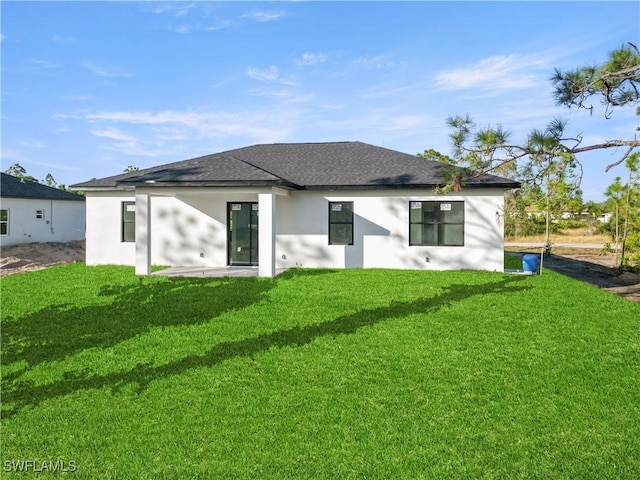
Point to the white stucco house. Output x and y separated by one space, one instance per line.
330 205
31 212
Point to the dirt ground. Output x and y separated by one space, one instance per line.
36 256
590 266
582 264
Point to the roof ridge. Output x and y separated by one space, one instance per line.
297 143
284 180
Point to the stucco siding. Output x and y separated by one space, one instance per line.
189 228
57 221
104 245
381 232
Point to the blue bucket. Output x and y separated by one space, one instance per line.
530 263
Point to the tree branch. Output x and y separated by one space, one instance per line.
608 144
624 157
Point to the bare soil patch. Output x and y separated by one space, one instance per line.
36 256
590 266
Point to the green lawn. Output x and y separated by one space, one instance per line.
319 374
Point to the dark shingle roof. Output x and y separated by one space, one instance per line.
335 165
15 187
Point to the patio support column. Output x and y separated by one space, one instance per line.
267 234
143 233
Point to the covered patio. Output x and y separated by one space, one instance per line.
262 198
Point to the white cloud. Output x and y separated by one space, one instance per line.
184 28
106 72
17 156
78 97
268 74
265 16
311 58
181 12
113 134
220 25
378 62
148 118
179 9
44 64
138 149
495 74
36 144
169 131
289 95
150 146
391 91
271 75
59 166
406 122
11 154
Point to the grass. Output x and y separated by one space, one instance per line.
319 374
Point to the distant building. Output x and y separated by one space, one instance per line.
31 212
605 217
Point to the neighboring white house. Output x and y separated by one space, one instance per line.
606 217
31 212
330 205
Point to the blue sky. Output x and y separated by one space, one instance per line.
89 88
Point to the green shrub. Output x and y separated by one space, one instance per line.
570 223
524 226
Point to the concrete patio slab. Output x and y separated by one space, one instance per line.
212 272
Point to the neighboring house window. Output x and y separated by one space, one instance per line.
39 214
4 221
436 223
340 223
128 221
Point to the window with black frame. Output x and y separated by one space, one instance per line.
340 223
436 223
128 221
4 221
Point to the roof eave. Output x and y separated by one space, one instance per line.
129 186
36 197
409 186
79 187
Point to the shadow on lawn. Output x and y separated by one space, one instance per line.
59 331
143 374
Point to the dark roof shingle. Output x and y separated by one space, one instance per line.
15 187
334 165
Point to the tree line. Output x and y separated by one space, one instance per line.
547 163
19 171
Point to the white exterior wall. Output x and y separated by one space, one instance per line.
381 232
104 244
189 228
64 221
